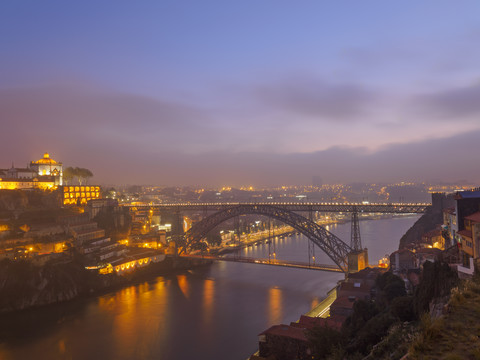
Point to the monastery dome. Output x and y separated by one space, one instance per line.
46 160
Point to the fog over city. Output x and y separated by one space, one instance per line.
162 93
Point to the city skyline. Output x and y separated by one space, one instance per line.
252 93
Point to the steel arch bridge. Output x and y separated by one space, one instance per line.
333 246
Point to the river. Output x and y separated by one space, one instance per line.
214 312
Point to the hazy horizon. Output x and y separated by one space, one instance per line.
261 94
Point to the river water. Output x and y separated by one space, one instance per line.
215 312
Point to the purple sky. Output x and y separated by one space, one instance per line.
243 93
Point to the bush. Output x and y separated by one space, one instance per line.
370 334
325 341
438 279
403 308
390 286
362 312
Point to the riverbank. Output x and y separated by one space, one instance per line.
287 231
322 310
24 285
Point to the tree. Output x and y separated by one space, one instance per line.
214 238
84 175
68 174
390 286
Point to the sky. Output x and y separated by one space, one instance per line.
221 92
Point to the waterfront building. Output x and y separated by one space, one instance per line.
402 259
284 342
473 224
467 204
134 259
434 239
470 237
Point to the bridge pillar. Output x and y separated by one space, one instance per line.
355 240
357 260
177 231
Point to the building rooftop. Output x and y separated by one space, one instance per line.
367 273
308 322
471 194
402 251
465 232
343 302
286 331
474 217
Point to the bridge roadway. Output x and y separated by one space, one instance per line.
271 262
389 208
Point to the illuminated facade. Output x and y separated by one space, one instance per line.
79 195
122 266
26 184
48 167
44 174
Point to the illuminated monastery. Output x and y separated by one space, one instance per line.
43 174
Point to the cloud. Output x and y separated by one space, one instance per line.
451 103
447 159
315 98
127 138
52 115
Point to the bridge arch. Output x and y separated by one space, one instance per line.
330 244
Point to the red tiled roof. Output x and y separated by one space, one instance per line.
286 331
474 217
354 286
309 322
466 233
432 251
366 273
400 251
344 302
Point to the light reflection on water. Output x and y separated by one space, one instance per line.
275 305
214 312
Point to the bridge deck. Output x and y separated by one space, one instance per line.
271 262
392 208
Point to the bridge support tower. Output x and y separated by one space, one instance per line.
358 258
355 239
177 231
